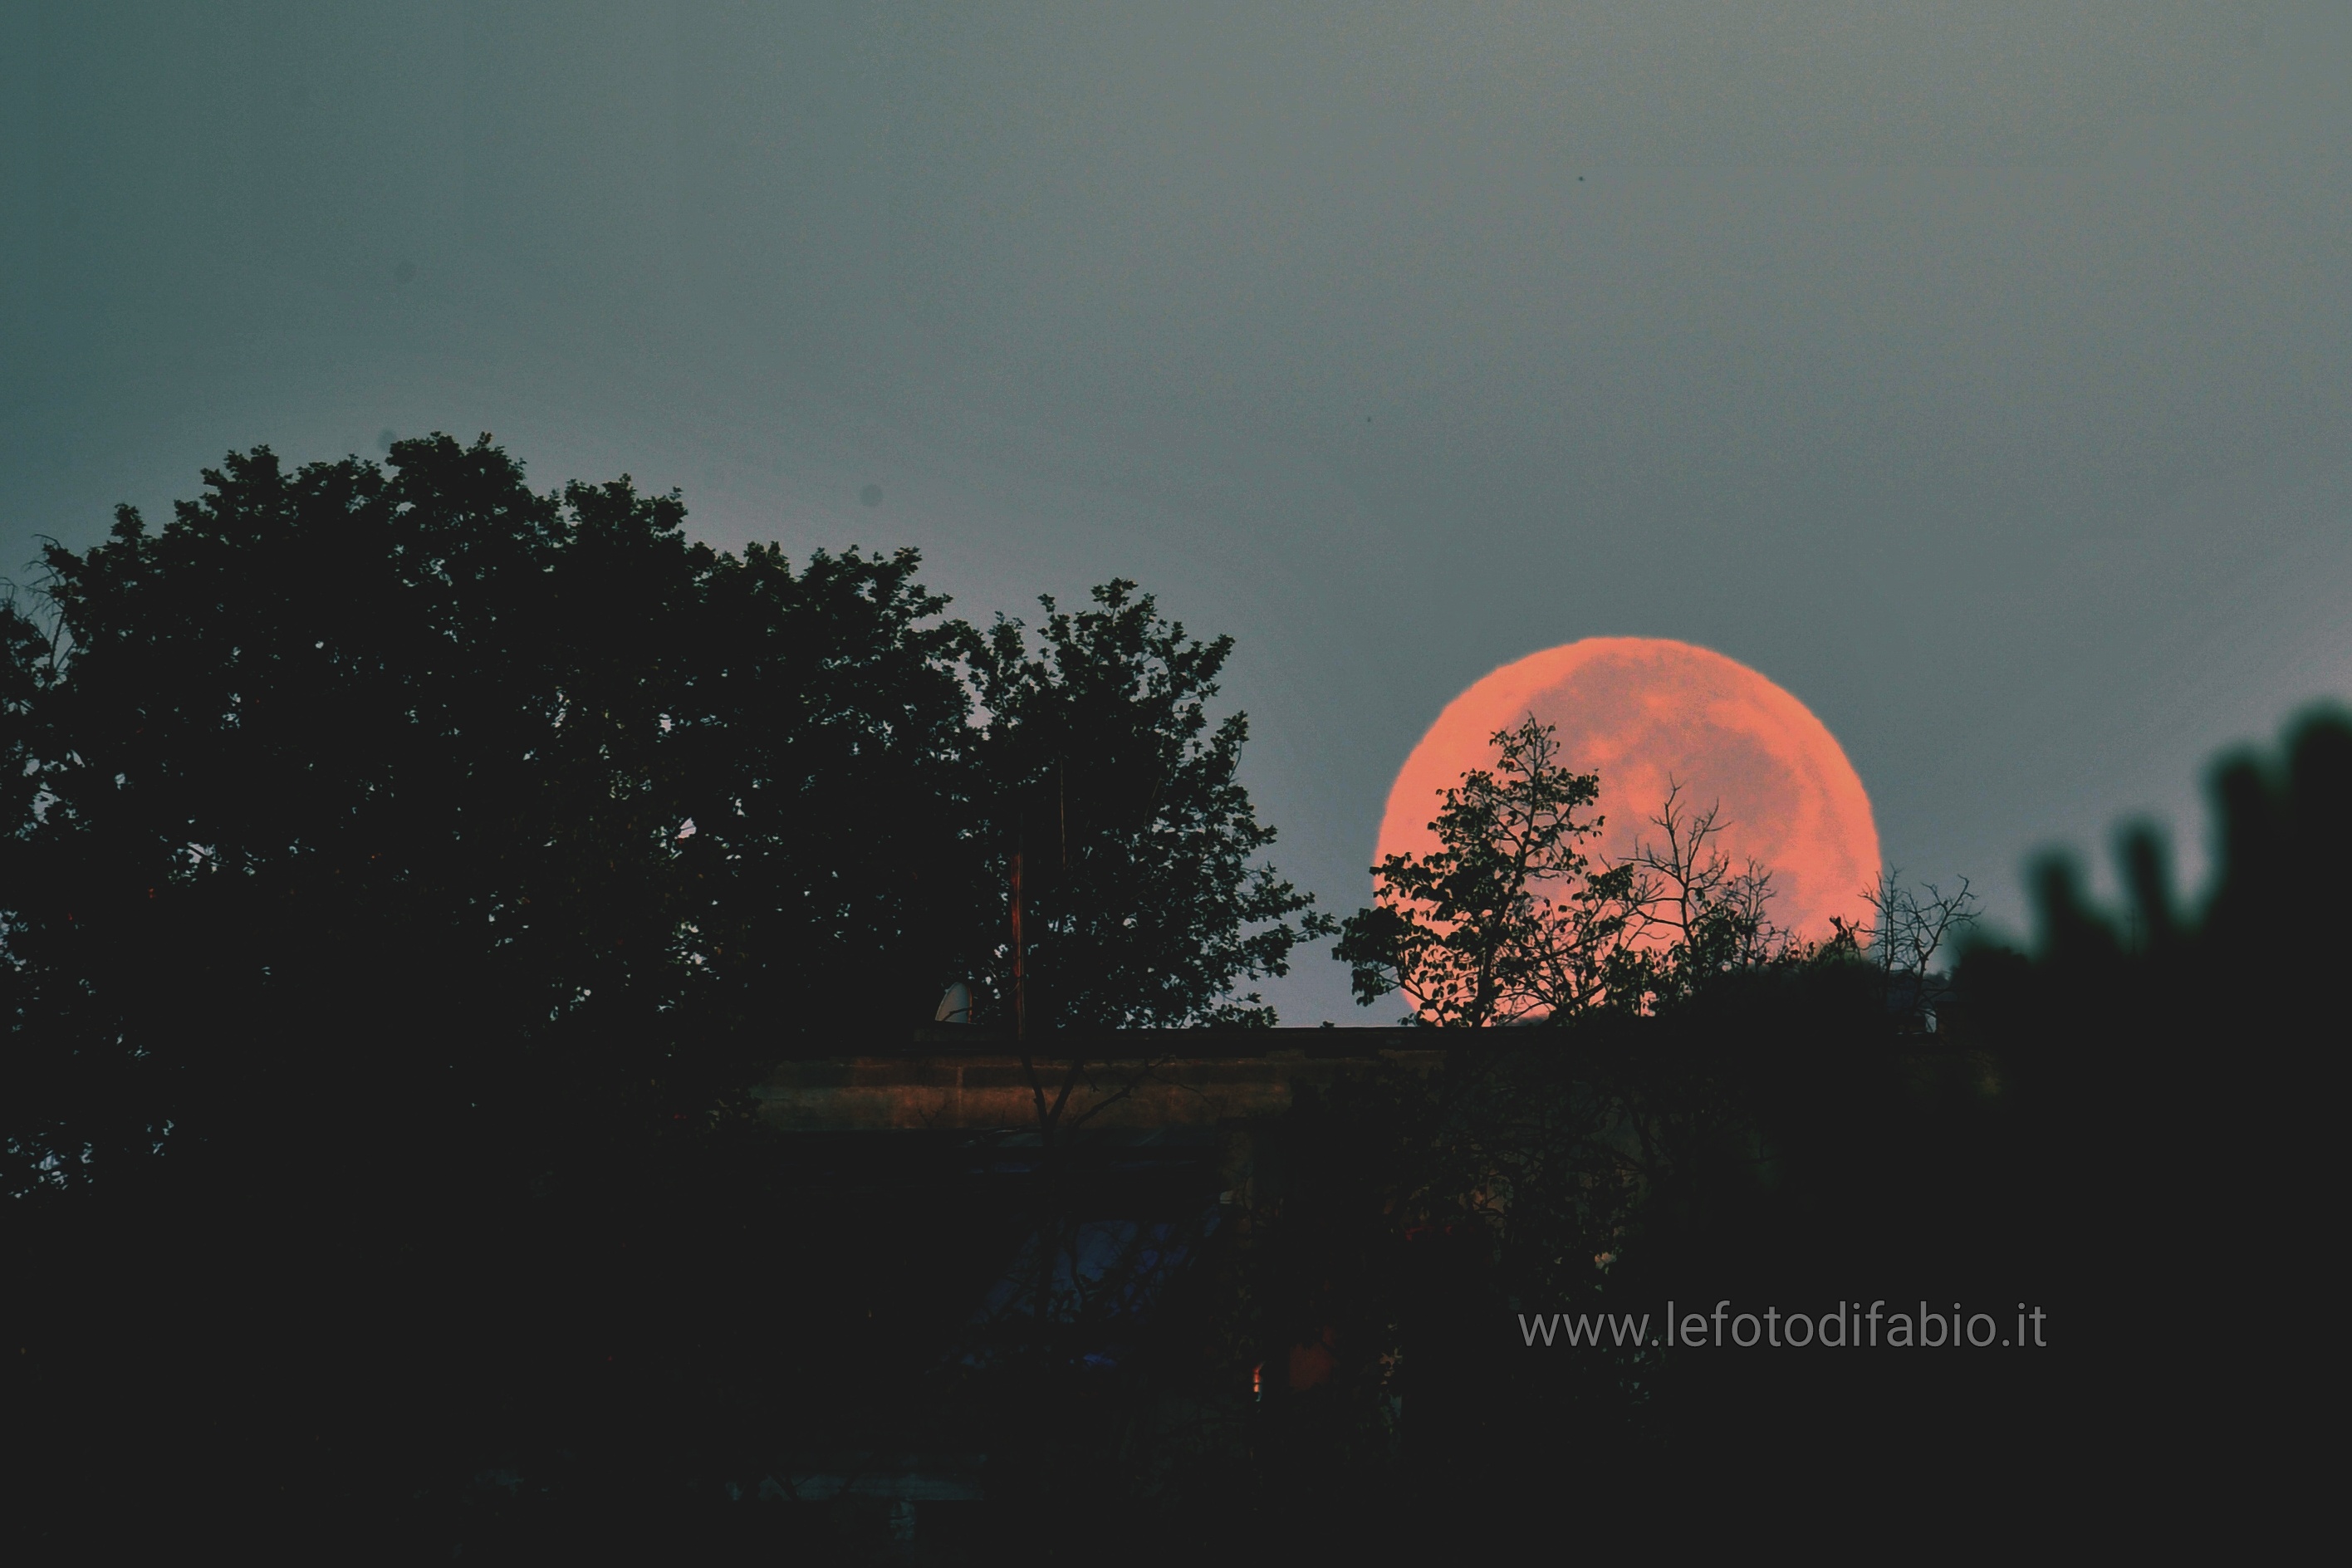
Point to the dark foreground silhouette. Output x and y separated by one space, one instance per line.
382 1175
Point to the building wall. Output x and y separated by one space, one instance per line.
948 1091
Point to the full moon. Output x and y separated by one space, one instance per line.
1649 712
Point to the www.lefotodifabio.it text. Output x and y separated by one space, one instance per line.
1848 1325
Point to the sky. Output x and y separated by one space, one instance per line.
1979 373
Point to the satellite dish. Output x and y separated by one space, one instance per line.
955 1007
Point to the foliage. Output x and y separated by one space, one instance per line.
507 820
1510 920
1696 919
1506 918
1692 1119
1147 905
404 875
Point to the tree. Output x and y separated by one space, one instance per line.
497 800
825 752
1146 903
406 873
1694 917
1122 836
1909 927
1506 919
1134 896
489 799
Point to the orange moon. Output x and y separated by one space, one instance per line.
1642 712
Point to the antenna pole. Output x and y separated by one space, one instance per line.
1020 955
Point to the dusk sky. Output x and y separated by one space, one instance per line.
1981 374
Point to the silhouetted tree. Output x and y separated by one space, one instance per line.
1909 928
1717 1106
418 778
1506 918
1147 903
1696 918
523 811
1132 877
405 874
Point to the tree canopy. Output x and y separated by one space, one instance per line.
1139 844
460 806
1510 919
